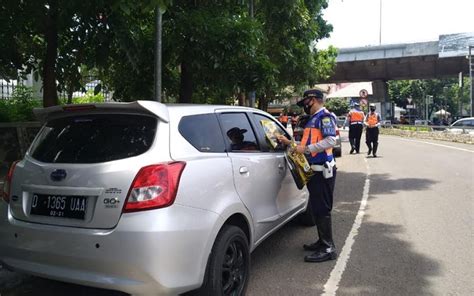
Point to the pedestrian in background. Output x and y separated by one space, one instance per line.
372 122
319 138
355 121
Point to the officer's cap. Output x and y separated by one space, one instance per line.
372 105
311 93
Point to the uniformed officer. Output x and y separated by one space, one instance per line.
372 123
319 138
355 121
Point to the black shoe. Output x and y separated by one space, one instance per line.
352 151
312 247
370 152
321 256
375 155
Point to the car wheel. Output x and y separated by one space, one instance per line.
229 264
307 218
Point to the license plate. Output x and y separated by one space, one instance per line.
62 206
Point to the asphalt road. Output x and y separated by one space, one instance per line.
416 235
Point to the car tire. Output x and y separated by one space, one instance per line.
307 218
228 267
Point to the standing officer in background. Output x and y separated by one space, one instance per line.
355 121
318 139
372 122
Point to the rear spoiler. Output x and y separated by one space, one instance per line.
144 107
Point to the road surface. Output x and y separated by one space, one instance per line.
403 223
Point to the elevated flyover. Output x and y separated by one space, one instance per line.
445 57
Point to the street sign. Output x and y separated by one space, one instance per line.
410 106
363 93
409 100
363 102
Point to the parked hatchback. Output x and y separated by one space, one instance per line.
147 198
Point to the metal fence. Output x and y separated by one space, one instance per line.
7 88
432 128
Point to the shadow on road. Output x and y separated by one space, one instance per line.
383 264
14 284
384 184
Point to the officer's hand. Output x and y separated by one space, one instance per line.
300 149
283 139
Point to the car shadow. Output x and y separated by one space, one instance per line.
278 267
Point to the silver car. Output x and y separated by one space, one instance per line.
146 198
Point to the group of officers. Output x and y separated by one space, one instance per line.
318 140
356 120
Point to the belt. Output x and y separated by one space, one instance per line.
356 122
320 167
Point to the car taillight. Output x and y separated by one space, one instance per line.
154 186
8 183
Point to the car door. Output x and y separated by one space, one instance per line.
289 198
256 175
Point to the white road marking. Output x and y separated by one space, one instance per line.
435 144
332 284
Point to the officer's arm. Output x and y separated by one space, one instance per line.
366 120
379 119
348 119
327 126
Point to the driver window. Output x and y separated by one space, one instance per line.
238 130
271 130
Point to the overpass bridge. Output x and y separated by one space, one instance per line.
424 60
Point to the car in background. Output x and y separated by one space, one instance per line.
422 122
147 198
299 129
464 125
386 123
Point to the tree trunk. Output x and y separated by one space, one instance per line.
50 93
262 102
186 84
241 98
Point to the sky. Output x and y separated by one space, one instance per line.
356 22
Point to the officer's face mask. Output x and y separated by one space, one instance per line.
307 107
372 109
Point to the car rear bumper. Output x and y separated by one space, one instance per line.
161 252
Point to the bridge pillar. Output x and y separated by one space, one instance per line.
380 95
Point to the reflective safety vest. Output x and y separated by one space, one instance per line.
356 116
372 119
312 134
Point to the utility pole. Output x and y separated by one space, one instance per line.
158 55
471 69
251 95
380 24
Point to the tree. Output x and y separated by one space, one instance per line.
445 92
339 106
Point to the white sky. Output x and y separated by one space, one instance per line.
356 22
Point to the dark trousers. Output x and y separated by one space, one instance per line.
355 133
372 138
321 193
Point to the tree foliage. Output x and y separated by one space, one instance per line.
446 94
213 50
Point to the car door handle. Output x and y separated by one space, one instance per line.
243 170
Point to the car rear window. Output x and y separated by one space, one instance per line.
94 138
